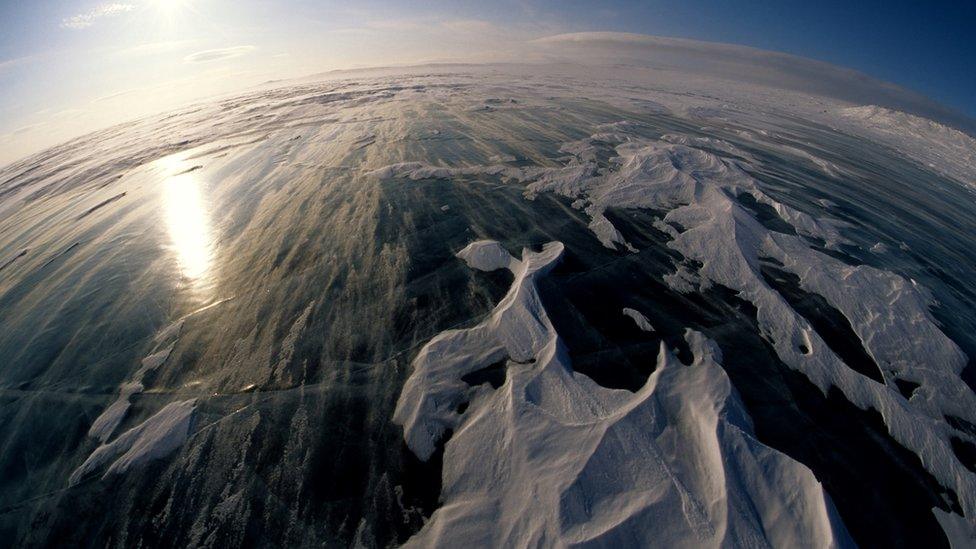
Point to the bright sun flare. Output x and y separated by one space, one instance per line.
168 8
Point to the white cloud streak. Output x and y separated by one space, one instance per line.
85 20
220 53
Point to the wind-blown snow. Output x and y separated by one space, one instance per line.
109 420
959 531
152 439
639 319
550 458
695 179
938 147
706 222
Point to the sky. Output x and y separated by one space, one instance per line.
71 66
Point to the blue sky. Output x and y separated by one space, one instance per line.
69 66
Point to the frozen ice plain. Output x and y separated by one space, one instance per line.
389 307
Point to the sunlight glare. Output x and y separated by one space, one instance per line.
169 8
188 223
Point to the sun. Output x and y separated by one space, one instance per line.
169 8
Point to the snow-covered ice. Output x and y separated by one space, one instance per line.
699 191
550 458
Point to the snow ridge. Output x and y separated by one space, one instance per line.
552 458
639 319
154 438
700 191
108 421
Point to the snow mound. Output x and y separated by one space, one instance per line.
639 319
961 533
109 420
486 255
550 458
152 439
428 402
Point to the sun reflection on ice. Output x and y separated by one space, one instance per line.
187 219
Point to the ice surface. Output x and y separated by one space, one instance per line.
283 172
101 205
422 170
10 261
550 458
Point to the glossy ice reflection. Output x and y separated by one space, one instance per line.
187 217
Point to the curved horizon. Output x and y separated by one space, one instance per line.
770 68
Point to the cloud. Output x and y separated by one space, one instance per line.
25 129
155 48
396 24
117 95
220 53
469 26
11 63
85 20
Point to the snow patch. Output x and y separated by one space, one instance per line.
152 439
639 319
550 458
109 420
487 255
959 531
155 436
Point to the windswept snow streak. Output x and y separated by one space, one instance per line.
550 458
941 148
152 439
703 195
639 319
108 421
105 424
157 436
